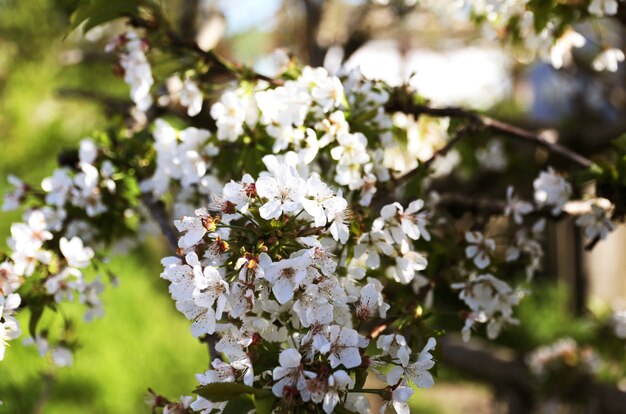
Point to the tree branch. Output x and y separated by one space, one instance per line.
187 19
158 213
491 367
313 14
472 204
492 125
210 57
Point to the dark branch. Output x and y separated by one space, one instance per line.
187 20
314 9
159 214
472 204
510 375
443 151
217 63
494 126
358 36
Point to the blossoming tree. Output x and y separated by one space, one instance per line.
308 248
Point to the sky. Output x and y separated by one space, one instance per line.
475 76
242 15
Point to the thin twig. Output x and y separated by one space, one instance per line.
211 57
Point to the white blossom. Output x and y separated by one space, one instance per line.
561 52
285 276
137 71
608 60
64 284
516 207
75 253
290 372
551 190
372 301
417 372
408 265
57 186
597 224
62 356
13 199
194 228
342 346
191 97
395 345
352 149
284 191
479 248
398 402
491 301
603 7
31 235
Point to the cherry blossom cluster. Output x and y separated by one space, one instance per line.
134 67
80 187
47 253
564 354
550 37
266 265
183 157
306 118
491 300
312 270
55 271
316 121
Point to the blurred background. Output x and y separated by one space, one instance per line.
50 85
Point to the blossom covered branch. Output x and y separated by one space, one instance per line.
282 253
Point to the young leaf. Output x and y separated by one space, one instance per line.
239 405
97 12
264 404
36 311
223 391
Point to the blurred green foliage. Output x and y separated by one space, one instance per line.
142 341
545 317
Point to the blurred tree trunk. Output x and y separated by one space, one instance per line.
187 19
315 52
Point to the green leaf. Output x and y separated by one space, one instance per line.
276 224
543 11
97 12
223 391
620 143
360 376
239 405
36 311
264 404
226 391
